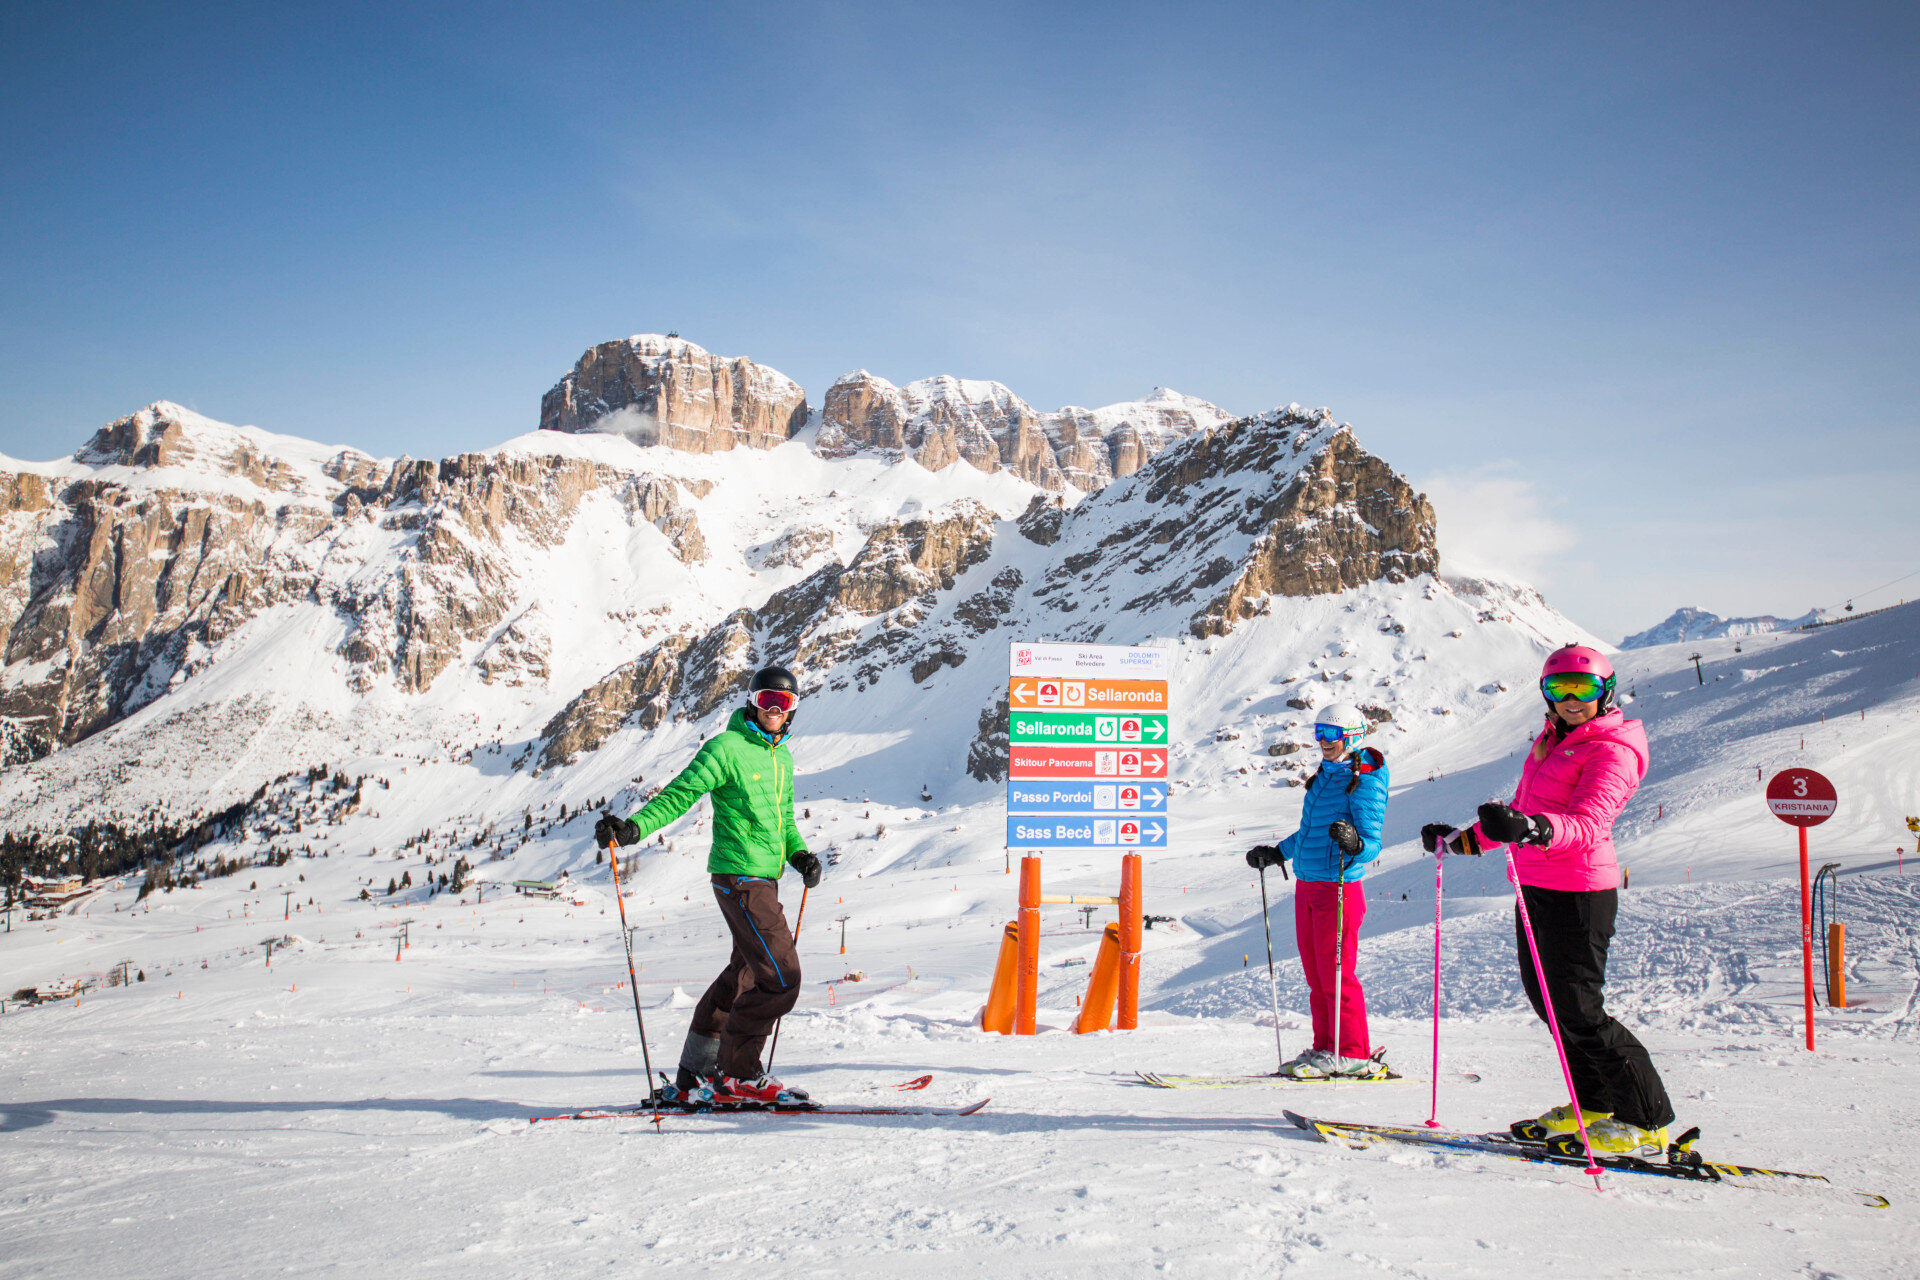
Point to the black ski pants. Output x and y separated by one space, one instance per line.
1611 1069
762 978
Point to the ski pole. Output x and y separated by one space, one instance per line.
633 980
1553 1023
1339 948
1273 988
798 916
1439 865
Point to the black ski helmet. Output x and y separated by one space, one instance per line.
776 678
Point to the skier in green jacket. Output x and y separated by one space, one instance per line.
748 771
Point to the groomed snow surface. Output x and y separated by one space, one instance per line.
347 1113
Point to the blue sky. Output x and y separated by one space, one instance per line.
1631 291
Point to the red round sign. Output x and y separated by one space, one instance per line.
1801 797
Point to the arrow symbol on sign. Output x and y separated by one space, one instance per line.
1023 691
1156 799
1154 829
1155 764
1156 730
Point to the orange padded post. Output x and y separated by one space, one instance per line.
1130 942
1837 964
1026 997
1103 985
998 1015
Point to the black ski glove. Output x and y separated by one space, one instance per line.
1345 837
1466 840
1433 833
808 866
1508 825
1262 856
612 830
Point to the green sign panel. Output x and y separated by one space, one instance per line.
1086 728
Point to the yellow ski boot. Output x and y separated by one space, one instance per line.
1612 1137
1557 1121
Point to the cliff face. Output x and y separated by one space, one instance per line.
842 623
939 421
170 543
668 391
1200 539
123 569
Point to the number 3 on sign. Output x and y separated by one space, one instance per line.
1800 788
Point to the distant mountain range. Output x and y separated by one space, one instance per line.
1697 624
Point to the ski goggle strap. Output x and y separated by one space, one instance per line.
1334 733
1581 686
775 700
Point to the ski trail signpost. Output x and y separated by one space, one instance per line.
1802 798
1087 742
1087 748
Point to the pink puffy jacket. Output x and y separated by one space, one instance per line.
1581 783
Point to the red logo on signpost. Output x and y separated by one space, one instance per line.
1801 797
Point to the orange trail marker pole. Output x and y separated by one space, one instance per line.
1026 995
998 1013
1837 964
1103 985
1130 942
633 977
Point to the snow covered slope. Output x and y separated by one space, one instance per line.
237 1118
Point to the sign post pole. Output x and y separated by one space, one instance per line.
1026 990
1803 798
1806 935
1130 942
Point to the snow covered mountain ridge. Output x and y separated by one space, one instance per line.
1697 624
190 609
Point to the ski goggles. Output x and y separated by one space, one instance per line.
1334 733
775 700
1580 686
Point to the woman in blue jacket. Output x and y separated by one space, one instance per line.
1346 807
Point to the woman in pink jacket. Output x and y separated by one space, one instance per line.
1585 765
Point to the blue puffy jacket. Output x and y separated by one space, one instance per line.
1329 799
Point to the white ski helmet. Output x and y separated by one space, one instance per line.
1345 717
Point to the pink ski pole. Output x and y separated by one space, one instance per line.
1553 1023
1439 864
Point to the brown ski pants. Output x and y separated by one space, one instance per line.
762 978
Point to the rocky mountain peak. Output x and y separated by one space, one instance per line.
941 420
657 389
167 437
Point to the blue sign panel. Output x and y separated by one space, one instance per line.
1025 795
1039 831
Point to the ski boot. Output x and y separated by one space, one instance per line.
1610 1137
1372 1067
1559 1120
763 1090
685 1090
1309 1064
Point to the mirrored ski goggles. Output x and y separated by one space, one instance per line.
1581 686
775 700
1333 733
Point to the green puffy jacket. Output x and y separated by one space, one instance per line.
751 781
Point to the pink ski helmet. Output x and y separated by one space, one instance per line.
1582 659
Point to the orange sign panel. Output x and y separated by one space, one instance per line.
1045 693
